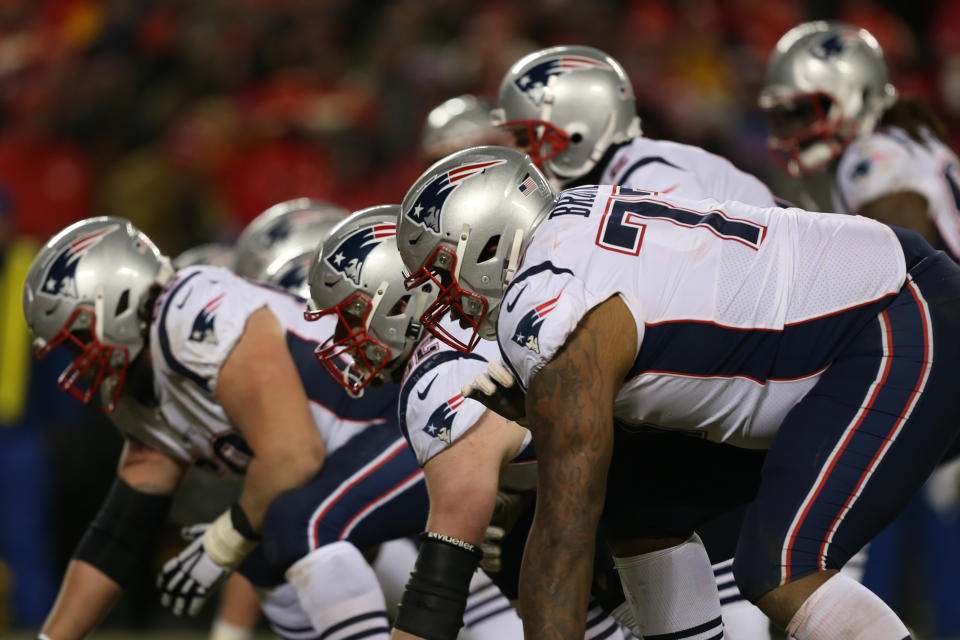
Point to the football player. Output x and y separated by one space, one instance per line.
572 108
832 108
203 367
468 453
821 339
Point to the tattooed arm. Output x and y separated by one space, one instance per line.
570 412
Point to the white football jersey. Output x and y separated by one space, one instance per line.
890 161
198 319
681 170
738 309
433 413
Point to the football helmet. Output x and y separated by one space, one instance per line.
276 246
463 226
357 274
826 85
459 123
566 105
84 291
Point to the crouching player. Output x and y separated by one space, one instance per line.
201 366
468 452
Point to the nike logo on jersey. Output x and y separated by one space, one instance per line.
184 300
511 305
423 394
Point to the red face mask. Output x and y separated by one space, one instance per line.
467 307
91 366
800 121
351 356
538 139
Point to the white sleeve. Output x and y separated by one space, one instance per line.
538 314
433 412
876 166
202 320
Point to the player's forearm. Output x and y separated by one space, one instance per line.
555 581
270 475
85 598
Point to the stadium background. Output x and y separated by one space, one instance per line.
191 117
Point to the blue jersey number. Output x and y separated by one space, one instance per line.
625 220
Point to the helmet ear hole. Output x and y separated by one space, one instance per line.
489 250
123 303
399 307
576 138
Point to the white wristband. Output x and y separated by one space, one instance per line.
225 545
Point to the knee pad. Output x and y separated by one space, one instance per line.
337 588
673 591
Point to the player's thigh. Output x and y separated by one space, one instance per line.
369 491
850 455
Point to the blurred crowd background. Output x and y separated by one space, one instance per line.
190 117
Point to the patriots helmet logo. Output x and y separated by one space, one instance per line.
279 231
293 277
832 46
347 259
440 424
428 206
203 329
61 276
527 333
533 83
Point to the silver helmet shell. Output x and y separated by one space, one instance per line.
826 84
569 104
276 246
463 226
458 123
84 290
357 275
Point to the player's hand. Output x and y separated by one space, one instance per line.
490 546
497 390
507 510
188 579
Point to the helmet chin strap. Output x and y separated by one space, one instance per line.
375 302
98 314
461 249
514 257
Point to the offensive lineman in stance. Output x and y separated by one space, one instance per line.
819 338
201 366
468 452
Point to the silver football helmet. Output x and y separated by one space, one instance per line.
566 106
459 123
463 226
84 291
357 274
826 84
276 246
